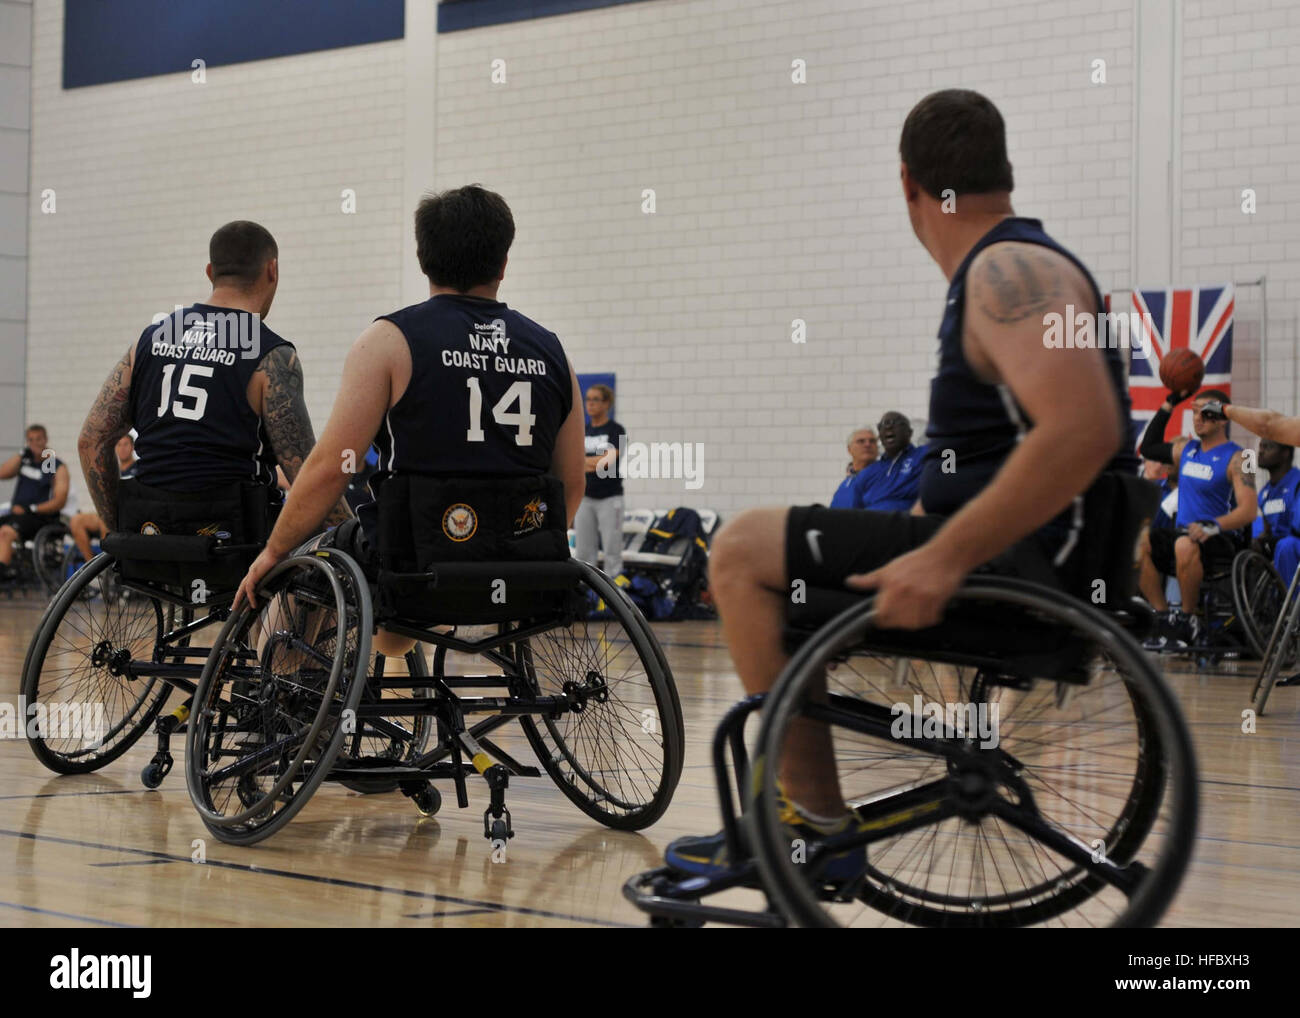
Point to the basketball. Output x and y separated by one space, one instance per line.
1181 370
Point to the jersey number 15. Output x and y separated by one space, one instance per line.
184 388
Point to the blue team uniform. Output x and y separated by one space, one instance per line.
1279 504
1204 490
894 485
845 494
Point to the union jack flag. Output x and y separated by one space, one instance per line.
1198 319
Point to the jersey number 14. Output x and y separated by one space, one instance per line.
523 419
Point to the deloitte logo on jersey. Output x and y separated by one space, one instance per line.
217 336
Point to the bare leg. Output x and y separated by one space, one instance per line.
8 535
1190 572
747 574
1150 581
81 527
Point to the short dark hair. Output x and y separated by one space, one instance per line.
36 427
956 139
462 237
1218 394
240 250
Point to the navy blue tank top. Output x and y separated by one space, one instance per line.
489 390
189 400
35 478
981 423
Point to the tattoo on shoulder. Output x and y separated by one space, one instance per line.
284 410
1014 285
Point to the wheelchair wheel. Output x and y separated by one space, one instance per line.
1083 812
1258 594
78 659
387 741
617 752
47 556
267 721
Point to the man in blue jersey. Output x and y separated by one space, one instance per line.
455 386
1274 427
1017 432
216 399
39 495
864 451
1277 498
1216 499
893 480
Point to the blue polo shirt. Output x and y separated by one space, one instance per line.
894 484
843 497
1277 503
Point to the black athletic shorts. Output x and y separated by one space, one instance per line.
823 546
27 524
1217 552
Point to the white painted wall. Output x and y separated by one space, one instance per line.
775 201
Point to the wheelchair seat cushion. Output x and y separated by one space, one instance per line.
426 523
234 514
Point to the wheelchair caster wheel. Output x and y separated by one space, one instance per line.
152 775
428 801
501 831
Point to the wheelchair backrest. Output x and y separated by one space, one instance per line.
426 522
1117 508
230 515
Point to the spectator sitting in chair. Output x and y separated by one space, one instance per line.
39 495
85 526
1277 501
891 483
864 450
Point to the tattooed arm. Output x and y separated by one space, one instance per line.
109 419
287 423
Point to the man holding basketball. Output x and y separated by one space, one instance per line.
1216 498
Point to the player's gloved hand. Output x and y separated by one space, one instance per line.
1174 398
1213 411
1199 532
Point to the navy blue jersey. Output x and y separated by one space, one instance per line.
489 390
35 478
1167 511
1205 490
974 425
1277 503
189 400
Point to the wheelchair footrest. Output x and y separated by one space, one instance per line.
673 899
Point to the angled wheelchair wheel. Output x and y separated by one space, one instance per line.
1060 789
267 722
617 751
47 556
380 741
1258 594
80 660
1281 657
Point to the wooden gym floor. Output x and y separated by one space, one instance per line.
100 850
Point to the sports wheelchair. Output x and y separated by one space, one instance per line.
39 562
1079 809
286 700
1280 662
119 632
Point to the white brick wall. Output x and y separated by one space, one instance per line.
145 170
775 201
1241 129
15 137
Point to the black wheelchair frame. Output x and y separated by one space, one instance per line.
174 662
236 675
972 785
